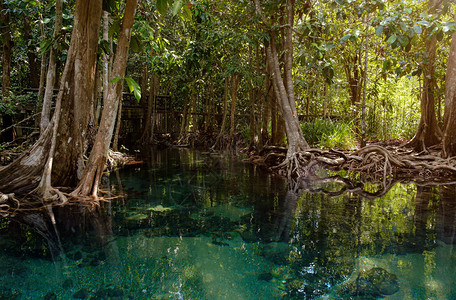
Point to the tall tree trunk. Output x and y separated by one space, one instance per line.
210 106
51 73
150 117
225 107
8 135
252 123
234 89
284 91
106 64
194 111
89 183
184 123
6 50
43 65
266 111
449 118
43 70
353 71
274 118
325 100
115 142
33 79
61 147
363 105
428 132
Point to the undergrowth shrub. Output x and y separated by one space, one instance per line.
327 133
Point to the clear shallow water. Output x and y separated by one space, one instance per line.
196 226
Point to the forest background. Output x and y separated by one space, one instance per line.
332 74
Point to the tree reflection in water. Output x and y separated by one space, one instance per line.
314 236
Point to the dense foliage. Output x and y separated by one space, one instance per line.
198 49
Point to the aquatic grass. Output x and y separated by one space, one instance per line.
327 133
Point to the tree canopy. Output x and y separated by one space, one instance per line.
299 74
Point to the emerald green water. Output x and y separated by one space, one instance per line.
200 226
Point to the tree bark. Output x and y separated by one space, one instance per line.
449 118
115 142
97 159
225 108
234 89
252 123
8 135
284 90
184 123
149 127
106 56
363 105
51 73
266 116
194 110
6 50
106 69
428 132
42 71
66 136
33 79
353 72
156 91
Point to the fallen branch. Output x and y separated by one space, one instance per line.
20 122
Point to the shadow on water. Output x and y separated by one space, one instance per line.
205 226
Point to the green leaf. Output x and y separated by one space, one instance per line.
424 23
330 46
116 79
135 44
187 13
114 28
134 87
162 6
345 38
448 26
45 45
403 40
417 29
392 39
177 6
386 65
104 46
379 30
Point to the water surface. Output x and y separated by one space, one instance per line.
203 226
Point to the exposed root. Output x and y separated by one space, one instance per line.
51 195
228 142
6 201
118 159
373 162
